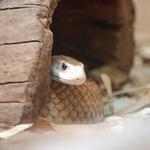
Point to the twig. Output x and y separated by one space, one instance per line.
108 86
131 90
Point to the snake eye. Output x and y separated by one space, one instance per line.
64 66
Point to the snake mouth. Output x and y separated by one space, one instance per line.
77 81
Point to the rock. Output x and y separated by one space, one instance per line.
120 104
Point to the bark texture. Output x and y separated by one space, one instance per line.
25 48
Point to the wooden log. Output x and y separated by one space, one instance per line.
25 48
100 31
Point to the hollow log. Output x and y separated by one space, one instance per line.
99 31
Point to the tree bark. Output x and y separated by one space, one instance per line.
25 49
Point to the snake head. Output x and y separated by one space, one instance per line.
67 70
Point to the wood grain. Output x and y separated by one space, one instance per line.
25 48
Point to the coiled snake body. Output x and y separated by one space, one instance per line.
72 98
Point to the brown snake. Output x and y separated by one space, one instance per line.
72 98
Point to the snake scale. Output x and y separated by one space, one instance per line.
72 98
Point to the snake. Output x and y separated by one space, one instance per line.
72 97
